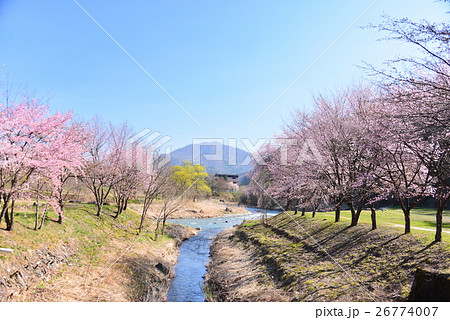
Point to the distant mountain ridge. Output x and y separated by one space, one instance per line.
224 165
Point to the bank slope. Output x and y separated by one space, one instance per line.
87 258
294 258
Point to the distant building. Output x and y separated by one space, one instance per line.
231 179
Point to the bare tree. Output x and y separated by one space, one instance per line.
101 172
129 178
172 203
155 184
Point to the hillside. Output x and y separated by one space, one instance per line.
305 259
214 166
87 258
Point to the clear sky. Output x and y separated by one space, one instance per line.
224 61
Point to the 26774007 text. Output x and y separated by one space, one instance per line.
378 312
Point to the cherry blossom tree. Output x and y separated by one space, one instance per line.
401 172
34 143
261 179
339 129
419 88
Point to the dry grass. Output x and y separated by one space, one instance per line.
94 258
234 274
337 264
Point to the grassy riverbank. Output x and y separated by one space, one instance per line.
87 258
294 258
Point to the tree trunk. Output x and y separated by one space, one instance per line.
4 208
60 218
36 215
156 229
119 208
9 218
352 210
163 225
406 208
373 217
141 224
61 201
303 211
407 215
296 210
1 212
440 209
288 204
337 213
438 234
314 212
44 215
356 213
61 210
99 209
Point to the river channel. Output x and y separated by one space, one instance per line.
194 253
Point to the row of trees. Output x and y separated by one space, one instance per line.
42 155
369 143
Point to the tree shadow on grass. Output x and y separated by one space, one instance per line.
417 255
89 212
374 251
339 291
391 240
47 220
52 220
325 240
406 263
335 245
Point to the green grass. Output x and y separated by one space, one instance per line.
381 261
420 218
81 228
250 223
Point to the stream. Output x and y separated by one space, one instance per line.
194 253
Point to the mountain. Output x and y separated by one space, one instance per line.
224 165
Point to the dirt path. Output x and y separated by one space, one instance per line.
195 210
415 228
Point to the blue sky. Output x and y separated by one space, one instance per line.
224 61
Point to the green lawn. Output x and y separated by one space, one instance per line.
422 218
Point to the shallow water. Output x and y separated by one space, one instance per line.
194 253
